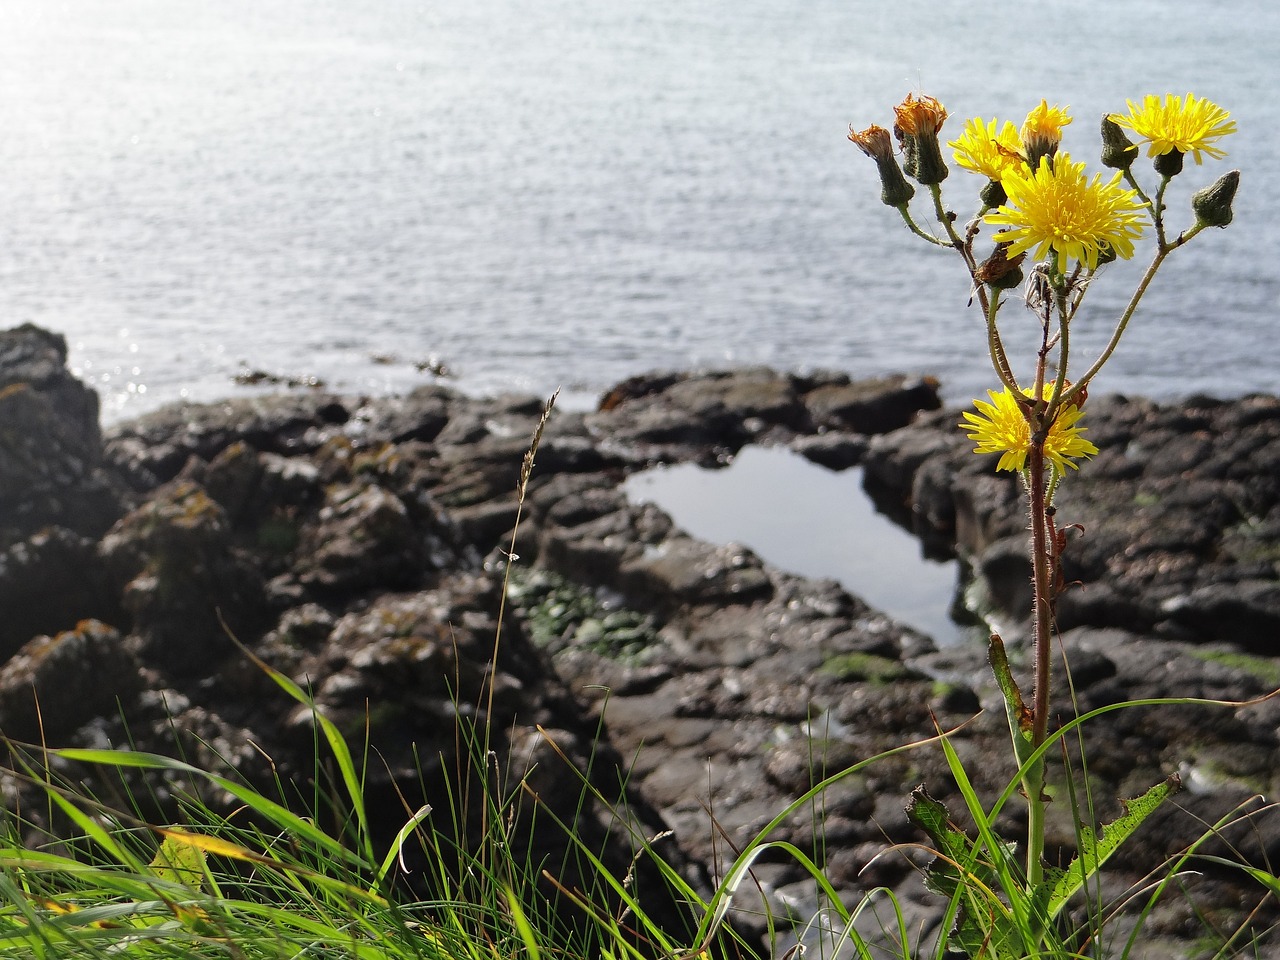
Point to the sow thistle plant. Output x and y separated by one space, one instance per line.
1038 203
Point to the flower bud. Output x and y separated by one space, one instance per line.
992 195
875 143
918 120
1042 132
1118 151
1212 205
1169 165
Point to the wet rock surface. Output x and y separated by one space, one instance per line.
359 546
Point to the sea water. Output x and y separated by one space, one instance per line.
567 192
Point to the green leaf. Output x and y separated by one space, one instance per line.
180 862
1096 850
1019 714
983 926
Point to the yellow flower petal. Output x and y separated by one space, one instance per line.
1057 209
981 149
1000 427
1189 125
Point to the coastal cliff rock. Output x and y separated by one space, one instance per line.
359 546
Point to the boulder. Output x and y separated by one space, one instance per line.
54 684
49 582
50 444
185 590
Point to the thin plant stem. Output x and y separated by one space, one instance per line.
906 216
1060 297
995 344
946 220
1158 211
1123 322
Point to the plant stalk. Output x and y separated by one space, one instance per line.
1042 616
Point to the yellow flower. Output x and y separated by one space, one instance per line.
1042 131
982 150
1057 208
999 427
1187 125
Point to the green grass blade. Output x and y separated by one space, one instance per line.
337 746
401 836
281 816
95 832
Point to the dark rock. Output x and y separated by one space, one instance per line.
872 406
685 571
181 584
835 450
707 417
52 685
419 416
37 358
152 449
48 583
364 537
50 444
1246 614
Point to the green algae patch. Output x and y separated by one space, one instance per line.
561 615
1265 669
867 668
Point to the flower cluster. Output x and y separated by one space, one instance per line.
1043 203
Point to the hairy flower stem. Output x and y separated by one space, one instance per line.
1042 614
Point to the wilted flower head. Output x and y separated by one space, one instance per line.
1056 208
1042 132
1000 427
917 116
1185 125
876 143
918 120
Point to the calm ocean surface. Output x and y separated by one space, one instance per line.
543 192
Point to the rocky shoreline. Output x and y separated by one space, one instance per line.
359 546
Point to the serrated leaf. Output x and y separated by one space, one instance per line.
1095 850
953 846
982 926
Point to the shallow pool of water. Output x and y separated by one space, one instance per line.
812 521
